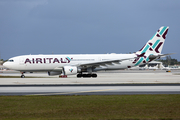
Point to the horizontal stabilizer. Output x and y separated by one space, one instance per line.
154 57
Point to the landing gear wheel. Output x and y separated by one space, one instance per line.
94 75
79 75
88 75
84 75
22 76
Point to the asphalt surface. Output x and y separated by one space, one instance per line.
104 89
107 83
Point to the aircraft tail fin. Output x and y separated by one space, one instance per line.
155 44
152 49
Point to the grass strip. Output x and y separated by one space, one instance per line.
90 107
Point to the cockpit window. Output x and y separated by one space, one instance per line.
11 60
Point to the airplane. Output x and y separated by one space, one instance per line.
85 65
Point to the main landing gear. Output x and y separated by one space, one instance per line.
86 75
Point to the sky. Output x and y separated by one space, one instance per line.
85 26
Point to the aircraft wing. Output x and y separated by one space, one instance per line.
103 63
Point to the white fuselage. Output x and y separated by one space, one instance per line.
51 62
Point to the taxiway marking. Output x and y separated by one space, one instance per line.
73 92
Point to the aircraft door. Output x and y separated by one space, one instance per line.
21 61
99 59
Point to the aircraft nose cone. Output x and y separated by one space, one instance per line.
5 65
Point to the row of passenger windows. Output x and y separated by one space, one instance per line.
82 59
105 59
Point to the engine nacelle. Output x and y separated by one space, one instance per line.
70 70
51 73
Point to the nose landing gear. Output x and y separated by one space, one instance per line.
22 75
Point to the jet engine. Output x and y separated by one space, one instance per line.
51 73
66 70
70 70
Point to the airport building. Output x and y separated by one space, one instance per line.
2 67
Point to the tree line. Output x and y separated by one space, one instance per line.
169 61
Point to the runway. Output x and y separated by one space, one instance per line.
118 77
107 83
104 89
